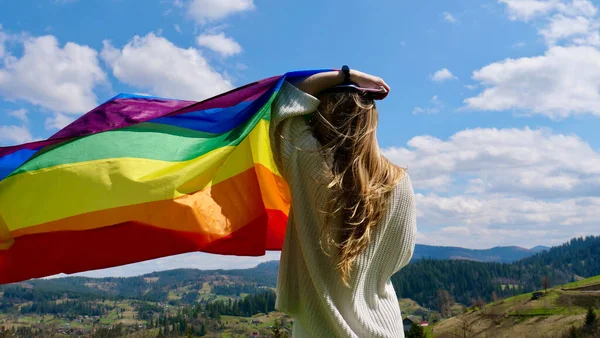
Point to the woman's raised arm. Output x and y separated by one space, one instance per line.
321 81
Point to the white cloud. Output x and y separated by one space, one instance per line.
523 162
10 135
562 27
579 7
563 82
502 186
558 84
3 39
58 121
442 75
205 11
436 183
220 43
590 39
509 212
20 114
154 64
177 28
528 9
59 79
449 17
434 107
487 221
572 21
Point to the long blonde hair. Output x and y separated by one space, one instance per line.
361 178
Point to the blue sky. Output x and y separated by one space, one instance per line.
494 105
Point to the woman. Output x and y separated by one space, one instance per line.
352 219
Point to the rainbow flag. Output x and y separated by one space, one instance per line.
139 178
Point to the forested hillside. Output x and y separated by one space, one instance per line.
468 280
181 302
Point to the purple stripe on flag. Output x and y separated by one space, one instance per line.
119 113
243 94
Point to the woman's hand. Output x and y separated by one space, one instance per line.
321 81
368 81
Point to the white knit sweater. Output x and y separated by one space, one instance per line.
309 287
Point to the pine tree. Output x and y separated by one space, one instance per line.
415 331
277 332
202 330
590 317
573 333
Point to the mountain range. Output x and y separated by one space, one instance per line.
500 254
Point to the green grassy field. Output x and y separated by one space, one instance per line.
410 307
519 316
126 317
236 325
583 282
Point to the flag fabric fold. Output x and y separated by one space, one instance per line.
143 177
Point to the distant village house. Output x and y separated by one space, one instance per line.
409 320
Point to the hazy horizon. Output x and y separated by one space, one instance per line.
195 260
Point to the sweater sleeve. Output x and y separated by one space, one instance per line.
288 125
403 225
